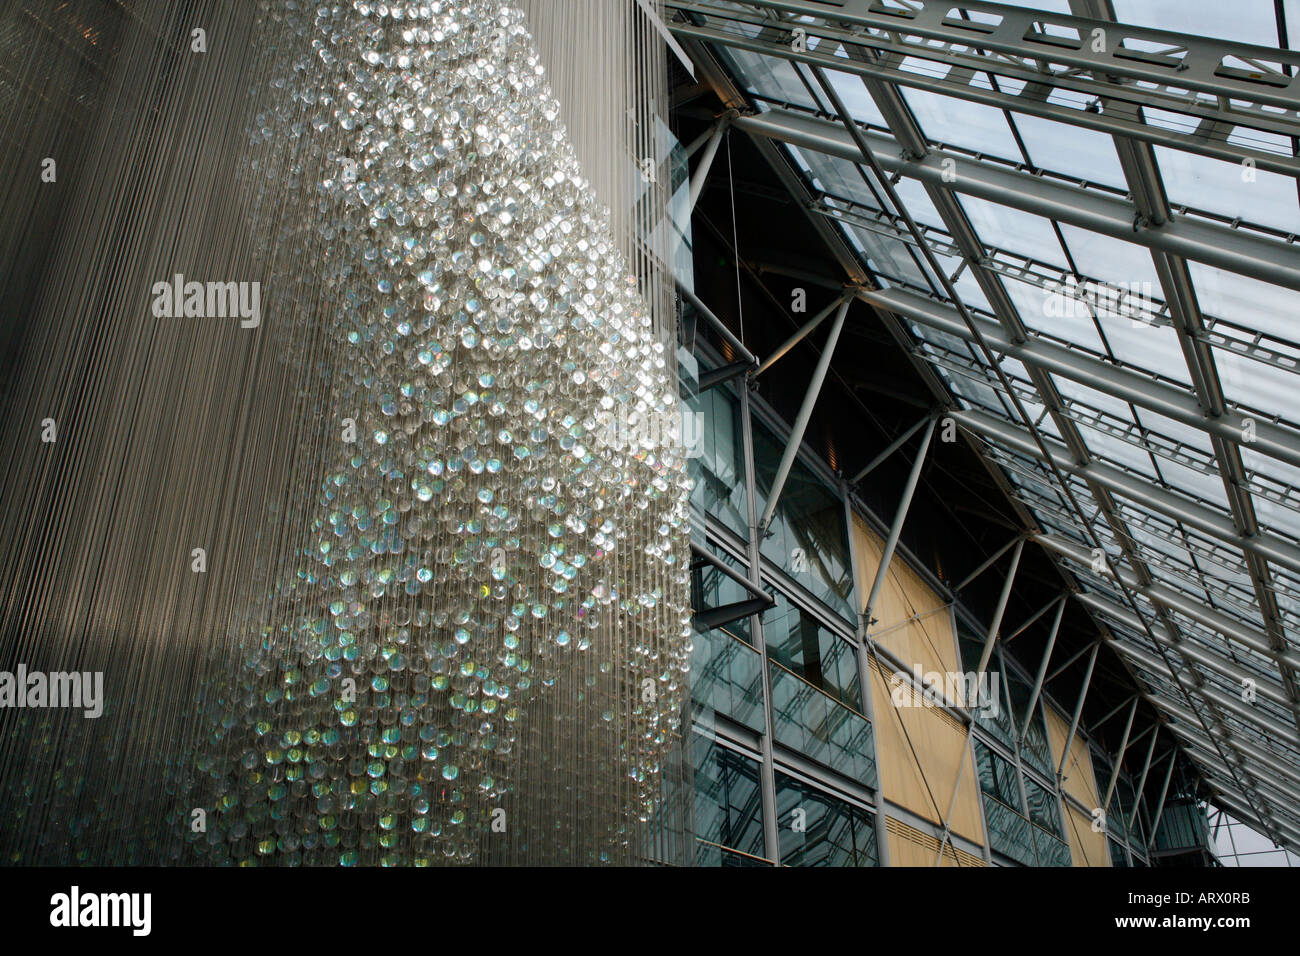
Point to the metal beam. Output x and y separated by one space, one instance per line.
799 336
718 325
996 624
1277 797
1197 652
1078 711
1066 666
1142 174
1229 333
896 444
1034 617
725 373
1129 385
804 416
1190 730
662 29
701 555
704 164
1096 725
895 529
1042 667
1119 756
1208 693
710 618
1157 593
1277 802
959 54
988 562
1142 780
1160 805
1247 814
1135 489
1247 254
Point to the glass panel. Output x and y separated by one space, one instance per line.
719 469
997 776
886 255
1201 182
1050 310
822 729
967 286
1009 832
1247 302
837 176
1151 347
971 126
800 644
727 678
819 830
770 76
1044 809
1020 232
1248 22
1082 153
856 99
912 194
728 804
1111 260
1256 385
1052 851
807 538
710 588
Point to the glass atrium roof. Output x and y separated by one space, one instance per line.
1087 223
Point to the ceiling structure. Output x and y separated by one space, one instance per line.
1082 230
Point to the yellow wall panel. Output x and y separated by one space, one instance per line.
910 847
1079 782
1086 847
927 642
939 741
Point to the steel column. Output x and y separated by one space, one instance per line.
704 165
1001 608
1042 667
1142 780
798 336
1160 805
891 543
1078 711
1119 755
801 422
988 562
896 444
